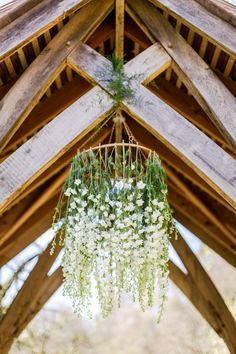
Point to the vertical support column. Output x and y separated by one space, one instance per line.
120 15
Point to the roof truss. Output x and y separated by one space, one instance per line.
200 188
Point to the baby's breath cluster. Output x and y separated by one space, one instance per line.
114 221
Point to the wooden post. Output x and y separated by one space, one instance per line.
199 288
120 15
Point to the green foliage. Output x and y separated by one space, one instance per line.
114 220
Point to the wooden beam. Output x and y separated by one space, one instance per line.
211 314
144 67
27 91
184 139
145 138
188 107
51 142
34 227
53 187
222 320
48 288
221 8
200 20
193 219
216 100
120 25
35 22
226 233
201 231
45 111
15 316
61 163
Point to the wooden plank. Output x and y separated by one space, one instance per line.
35 22
201 21
194 199
211 314
48 288
145 138
216 100
27 91
45 111
15 11
188 107
59 165
224 323
201 231
189 143
144 67
199 223
120 25
38 153
221 8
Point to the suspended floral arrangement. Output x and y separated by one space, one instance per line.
114 221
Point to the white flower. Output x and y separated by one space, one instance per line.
155 202
119 204
133 166
84 191
141 185
112 216
77 182
73 205
140 202
67 192
161 205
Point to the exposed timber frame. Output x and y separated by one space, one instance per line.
43 130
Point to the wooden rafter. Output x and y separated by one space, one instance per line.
195 221
35 22
197 18
224 10
171 159
60 164
200 152
33 83
209 91
193 198
51 142
204 294
24 302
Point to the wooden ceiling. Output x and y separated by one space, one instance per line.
49 51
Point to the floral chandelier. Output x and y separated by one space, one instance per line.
114 222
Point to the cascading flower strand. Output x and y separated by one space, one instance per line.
114 221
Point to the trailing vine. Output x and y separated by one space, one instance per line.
114 220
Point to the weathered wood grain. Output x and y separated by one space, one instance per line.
222 319
38 153
218 321
221 8
34 22
216 100
201 20
27 91
184 139
120 27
